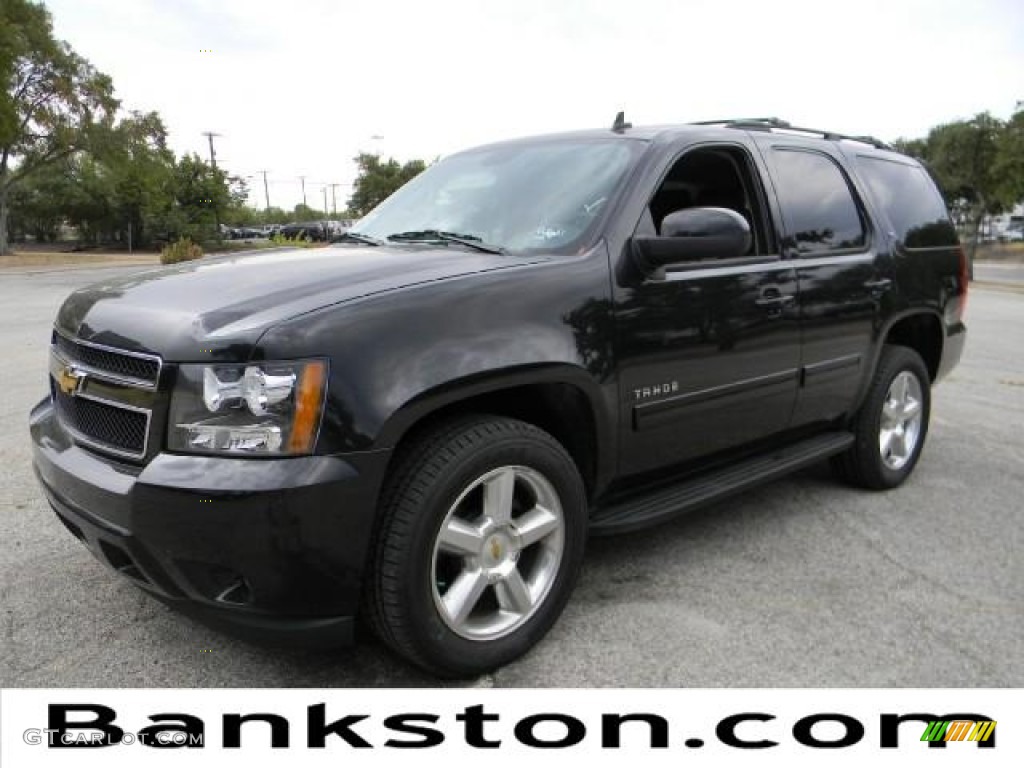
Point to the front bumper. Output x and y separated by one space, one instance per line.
269 547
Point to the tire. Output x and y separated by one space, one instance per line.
891 425
480 539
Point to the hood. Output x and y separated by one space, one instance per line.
219 307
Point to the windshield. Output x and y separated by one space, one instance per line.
516 197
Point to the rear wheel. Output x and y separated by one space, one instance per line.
481 537
891 426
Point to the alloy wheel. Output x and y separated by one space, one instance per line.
900 425
497 553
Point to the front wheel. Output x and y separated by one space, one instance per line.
481 537
891 426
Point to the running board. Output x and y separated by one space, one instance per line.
653 507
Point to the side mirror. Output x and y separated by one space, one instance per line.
694 234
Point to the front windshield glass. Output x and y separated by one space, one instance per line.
518 197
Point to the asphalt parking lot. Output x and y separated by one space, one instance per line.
801 583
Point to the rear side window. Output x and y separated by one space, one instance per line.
909 198
817 204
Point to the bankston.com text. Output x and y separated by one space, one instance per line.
91 725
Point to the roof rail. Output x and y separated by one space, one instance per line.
774 123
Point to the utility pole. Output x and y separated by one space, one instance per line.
325 202
303 180
266 189
213 155
213 163
334 198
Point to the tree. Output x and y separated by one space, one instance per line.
140 169
199 191
1009 163
122 186
303 212
274 215
121 190
377 179
979 164
38 206
51 102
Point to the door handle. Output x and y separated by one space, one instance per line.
777 300
880 285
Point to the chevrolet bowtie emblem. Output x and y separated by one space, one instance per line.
495 549
70 380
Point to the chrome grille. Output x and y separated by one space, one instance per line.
104 397
103 424
132 367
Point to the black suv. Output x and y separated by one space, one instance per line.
531 342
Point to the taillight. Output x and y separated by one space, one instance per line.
964 282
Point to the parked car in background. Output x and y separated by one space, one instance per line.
246 233
335 228
306 230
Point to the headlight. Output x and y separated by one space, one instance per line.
253 410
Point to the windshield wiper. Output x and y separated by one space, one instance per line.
356 237
430 235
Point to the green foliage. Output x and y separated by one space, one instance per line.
303 212
979 165
1009 161
199 192
182 249
377 180
124 184
273 215
291 242
962 154
245 216
128 188
65 158
52 101
38 205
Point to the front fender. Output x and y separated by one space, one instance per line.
396 356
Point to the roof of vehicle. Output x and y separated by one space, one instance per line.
671 131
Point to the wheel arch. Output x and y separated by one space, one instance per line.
563 400
921 331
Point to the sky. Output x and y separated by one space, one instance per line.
299 87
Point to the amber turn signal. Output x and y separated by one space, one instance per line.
308 400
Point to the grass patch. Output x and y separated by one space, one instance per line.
1008 252
281 241
65 258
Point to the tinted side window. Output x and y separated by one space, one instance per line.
817 204
909 198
